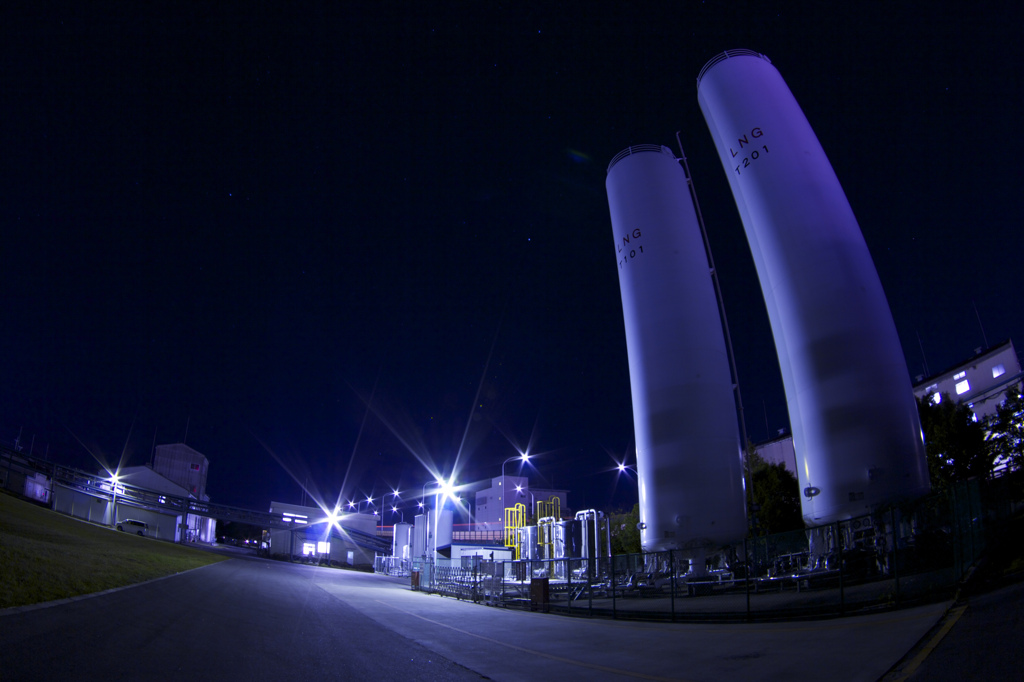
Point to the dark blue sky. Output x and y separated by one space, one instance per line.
248 221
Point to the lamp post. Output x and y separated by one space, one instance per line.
523 459
113 507
423 495
533 503
394 496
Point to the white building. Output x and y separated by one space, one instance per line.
505 492
185 466
188 469
980 382
779 451
311 536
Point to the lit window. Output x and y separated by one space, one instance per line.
998 371
962 387
936 398
308 548
323 547
959 375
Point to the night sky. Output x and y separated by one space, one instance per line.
340 245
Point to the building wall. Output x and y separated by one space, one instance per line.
342 551
184 466
37 487
491 502
779 451
161 526
80 505
148 479
485 552
97 510
980 381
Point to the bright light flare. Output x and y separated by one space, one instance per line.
447 490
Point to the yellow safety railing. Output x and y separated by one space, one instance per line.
551 507
515 518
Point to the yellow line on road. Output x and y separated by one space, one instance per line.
928 648
534 652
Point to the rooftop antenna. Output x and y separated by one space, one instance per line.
187 420
152 452
924 360
976 314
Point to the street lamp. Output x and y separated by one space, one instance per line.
394 496
443 489
519 491
523 459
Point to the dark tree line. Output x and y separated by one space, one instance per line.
959 446
774 497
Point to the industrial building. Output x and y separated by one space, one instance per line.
778 451
981 381
505 492
176 470
348 540
179 470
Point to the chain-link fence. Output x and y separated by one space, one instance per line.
903 555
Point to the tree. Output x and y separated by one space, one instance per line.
1006 430
954 441
774 496
625 534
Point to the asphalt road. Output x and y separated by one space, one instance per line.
983 643
244 619
252 619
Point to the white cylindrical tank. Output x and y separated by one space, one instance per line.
855 425
684 415
401 541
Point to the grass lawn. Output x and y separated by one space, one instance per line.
45 555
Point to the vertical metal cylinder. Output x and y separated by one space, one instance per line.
684 415
855 425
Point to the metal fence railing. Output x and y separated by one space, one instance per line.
901 556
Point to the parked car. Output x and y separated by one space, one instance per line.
133 526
